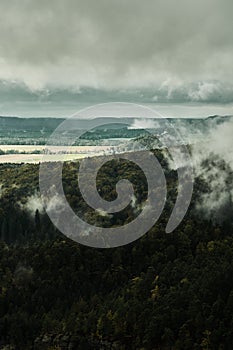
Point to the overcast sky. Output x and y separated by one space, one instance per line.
180 51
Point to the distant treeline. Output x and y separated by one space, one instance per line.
15 151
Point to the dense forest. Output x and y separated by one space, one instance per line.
163 291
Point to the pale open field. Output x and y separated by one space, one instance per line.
71 153
73 149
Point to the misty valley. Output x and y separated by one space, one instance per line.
116 175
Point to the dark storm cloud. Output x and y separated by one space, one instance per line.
163 45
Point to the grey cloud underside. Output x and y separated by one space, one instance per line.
160 45
208 92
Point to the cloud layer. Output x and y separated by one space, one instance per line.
118 44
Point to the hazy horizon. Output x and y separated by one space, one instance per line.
167 111
18 101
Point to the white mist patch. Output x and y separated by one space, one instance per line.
213 162
219 143
219 194
133 201
33 203
103 213
38 202
144 124
55 203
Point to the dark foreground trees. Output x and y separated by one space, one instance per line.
164 291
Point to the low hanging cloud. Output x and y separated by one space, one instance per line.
144 124
213 162
218 142
38 202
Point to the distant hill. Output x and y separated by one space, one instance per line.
16 130
50 123
32 124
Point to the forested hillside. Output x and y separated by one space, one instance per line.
164 291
